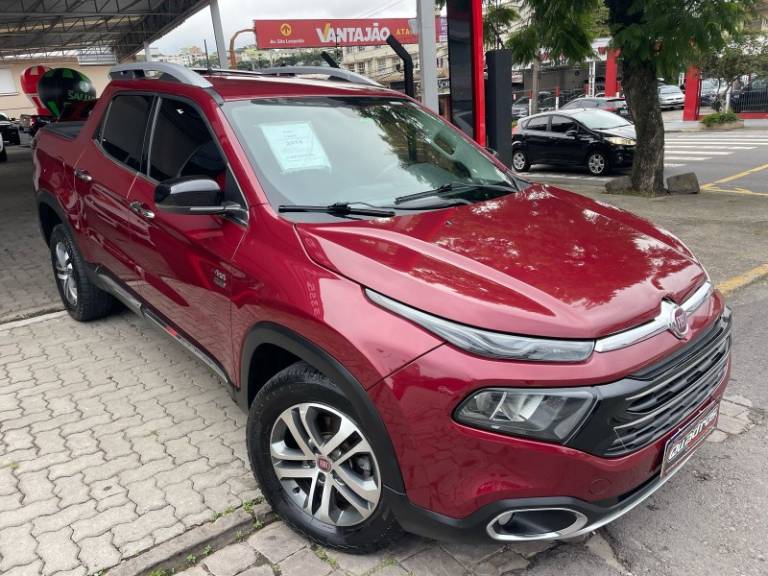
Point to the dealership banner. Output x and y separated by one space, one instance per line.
337 32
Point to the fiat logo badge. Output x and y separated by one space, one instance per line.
324 464
678 322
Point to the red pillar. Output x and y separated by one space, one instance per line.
612 73
692 94
478 71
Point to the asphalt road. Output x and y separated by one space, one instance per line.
740 157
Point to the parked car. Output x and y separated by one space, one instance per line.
521 106
598 140
752 98
421 339
31 123
712 91
9 131
615 105
670 97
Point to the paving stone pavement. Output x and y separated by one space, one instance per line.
112 440
26 281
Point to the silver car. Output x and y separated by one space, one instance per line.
671 97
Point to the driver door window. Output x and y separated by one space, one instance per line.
182 145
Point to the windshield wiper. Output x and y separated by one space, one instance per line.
337 209
453 187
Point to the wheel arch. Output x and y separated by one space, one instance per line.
49 214
279 347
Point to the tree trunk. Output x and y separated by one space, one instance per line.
535 83
641 90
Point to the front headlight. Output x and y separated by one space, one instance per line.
551 415
490 344
619 141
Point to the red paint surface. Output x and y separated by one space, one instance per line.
543 261
692 94
612 73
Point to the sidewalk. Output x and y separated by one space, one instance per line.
695 126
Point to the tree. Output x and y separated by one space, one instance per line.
497 20
656 38
744 55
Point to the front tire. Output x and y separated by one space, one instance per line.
317 469
82 298
520 160
598 163
3 155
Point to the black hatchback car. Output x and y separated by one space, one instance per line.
595 139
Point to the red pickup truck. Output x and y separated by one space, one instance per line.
422 340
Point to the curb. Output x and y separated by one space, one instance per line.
172 554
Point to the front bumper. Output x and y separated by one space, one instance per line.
623 156
548 518
460 481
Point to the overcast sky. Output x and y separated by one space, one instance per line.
239 14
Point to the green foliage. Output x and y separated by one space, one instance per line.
670 33
744 54
497 20
719 118
673 34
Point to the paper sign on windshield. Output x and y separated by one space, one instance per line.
296 146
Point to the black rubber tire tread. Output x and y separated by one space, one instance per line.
92 302
298 383
4 155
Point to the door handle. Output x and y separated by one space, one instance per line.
83 175
141 210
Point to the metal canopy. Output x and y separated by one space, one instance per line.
65 27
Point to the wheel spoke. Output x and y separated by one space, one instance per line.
284 471
308 423
360 448
69 288
281 451
324 510
311 494
361 505
62 256
298 436
366 488
346 429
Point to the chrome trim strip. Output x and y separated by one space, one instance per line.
578 523
656 326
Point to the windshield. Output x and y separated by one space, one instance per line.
600 119
324 150
4 118
669 90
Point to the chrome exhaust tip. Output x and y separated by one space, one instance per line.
536 524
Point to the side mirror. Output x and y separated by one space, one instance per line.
572 133
192 195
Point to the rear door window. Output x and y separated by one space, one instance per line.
539 123
122 136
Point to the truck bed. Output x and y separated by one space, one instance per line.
68 130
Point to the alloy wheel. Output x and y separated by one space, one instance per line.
518 161
65 274
596 164
325 464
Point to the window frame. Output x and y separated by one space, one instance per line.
150 136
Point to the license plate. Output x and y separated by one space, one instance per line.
688 439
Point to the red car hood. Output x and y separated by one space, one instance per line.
542 262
